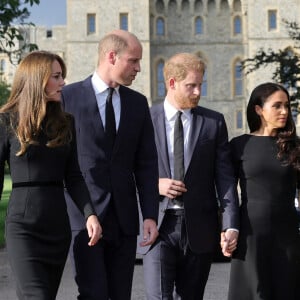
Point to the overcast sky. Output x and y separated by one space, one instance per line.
48 13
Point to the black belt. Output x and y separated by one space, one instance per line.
37 183
174 212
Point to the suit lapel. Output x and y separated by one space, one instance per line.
160 132
125 117
90 106
197 122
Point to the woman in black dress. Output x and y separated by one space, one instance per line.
266 262
37 140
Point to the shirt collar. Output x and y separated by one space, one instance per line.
99 85
171 111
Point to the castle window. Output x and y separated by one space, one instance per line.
237 25
91 23
160 26
49 33
160 83
198 25
272 16
238 79
2 66
239 119
124 21
204 85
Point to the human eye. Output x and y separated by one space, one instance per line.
277 105
57 76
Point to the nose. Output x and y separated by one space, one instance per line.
138 67
284 110
197 91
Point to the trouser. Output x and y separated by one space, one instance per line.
182 273
104 271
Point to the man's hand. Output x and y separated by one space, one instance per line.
150 232
171 188
229 241
94 229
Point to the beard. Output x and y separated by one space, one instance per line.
187 103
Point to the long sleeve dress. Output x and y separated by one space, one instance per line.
266 262
37 226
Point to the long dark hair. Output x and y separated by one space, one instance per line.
28 106
287 139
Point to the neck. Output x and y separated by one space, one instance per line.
265 132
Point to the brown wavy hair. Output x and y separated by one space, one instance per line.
28 106
287 140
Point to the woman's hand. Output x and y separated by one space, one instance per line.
94 229
229 241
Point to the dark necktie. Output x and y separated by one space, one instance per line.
178 148
110 122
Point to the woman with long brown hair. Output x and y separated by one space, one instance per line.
37 140
266 264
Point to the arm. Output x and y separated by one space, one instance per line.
79 193
146 175
4 148
226 187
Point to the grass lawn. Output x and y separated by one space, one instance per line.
3 205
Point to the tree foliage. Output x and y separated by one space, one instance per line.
4 92
13 15
286 62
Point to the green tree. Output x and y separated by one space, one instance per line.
4 92
14 12
286 62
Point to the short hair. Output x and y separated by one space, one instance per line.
180 64
117 40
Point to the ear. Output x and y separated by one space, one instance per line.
172 83
112 57
258 110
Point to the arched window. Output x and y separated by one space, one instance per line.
124 21
160 26
239 119
272 14
204 85
198 25
91 23
160 83
2 65
237 25
238 79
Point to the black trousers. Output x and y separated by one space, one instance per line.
181 269
104 271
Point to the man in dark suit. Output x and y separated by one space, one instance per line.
189 230
118 159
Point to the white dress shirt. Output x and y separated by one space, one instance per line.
170 117
101 92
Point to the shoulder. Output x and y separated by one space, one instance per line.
206 112
4 117
156 109
130 93
71 87
240 139
6 121
238 143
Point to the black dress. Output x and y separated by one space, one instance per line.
266 262
37 225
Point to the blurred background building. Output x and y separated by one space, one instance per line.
222 32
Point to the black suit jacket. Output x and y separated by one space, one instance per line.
133 166
209 176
